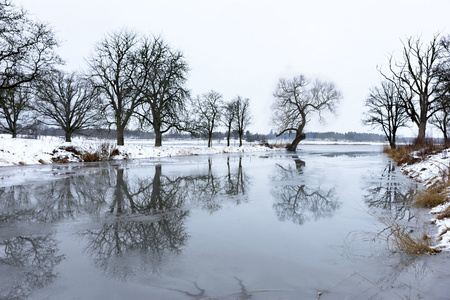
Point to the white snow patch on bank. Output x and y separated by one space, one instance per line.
22 151
429 171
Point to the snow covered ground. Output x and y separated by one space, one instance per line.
45 150
429 171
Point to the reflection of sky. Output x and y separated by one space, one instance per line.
192 250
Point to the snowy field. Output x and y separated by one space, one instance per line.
44 150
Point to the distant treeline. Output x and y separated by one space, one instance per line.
249 137
348 136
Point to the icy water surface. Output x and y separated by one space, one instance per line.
249 226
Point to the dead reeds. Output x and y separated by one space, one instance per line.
413 153
400 239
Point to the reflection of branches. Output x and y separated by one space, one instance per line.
390 194
114 247
15 203
200 295
236 183
300 203
209 190
289 172
36 258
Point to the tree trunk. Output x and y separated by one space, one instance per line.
158 139
293 146
209 139
228 137
421 136
68 137
120 141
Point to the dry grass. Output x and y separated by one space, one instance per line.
91 157
278 146
402 154
433 195
401 240
444 215
104 152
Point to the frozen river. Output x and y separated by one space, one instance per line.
267 225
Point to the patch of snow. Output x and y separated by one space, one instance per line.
45 150
433 169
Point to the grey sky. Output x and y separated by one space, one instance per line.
244 46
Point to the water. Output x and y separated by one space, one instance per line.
248 226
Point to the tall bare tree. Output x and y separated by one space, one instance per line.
68 101
296 100
207 111
26 47
15 103
386 111
441 119
161 83
417 80
228 117
114 72
242 114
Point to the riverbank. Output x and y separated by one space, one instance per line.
434 172
47 150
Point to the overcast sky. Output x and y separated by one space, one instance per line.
242 47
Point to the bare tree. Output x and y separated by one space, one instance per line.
207 110
296 100
26 47
14 105
441 119
114 73
243 117
386 111
161 79
228 117
417 80
67 101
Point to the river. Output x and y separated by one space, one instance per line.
272 225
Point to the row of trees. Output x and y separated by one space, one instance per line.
415 90
130 78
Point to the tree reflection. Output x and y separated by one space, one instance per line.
124 247
210 190
142 218
389 193
32 260
125 244
300 203
236 183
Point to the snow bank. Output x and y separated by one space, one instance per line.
430 171
47 149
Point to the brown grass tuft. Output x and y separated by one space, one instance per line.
90 157
115 152
434 195
444 215
403 154
399 239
